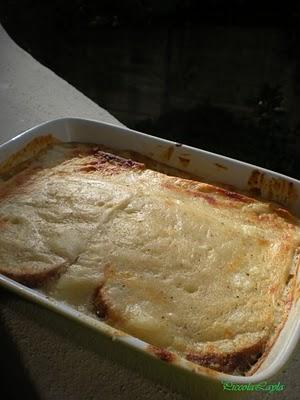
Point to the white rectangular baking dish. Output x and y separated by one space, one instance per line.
209 166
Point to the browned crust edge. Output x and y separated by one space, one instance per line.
35 279
101 305
237 362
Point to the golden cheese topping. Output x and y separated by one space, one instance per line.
189 267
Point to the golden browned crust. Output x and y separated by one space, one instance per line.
208 192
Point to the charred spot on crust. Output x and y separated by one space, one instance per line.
103 157
100 306
237 196
234 195
236 362
162 354
110 163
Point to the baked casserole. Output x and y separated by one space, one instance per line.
191 268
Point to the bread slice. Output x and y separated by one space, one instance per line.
47 215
